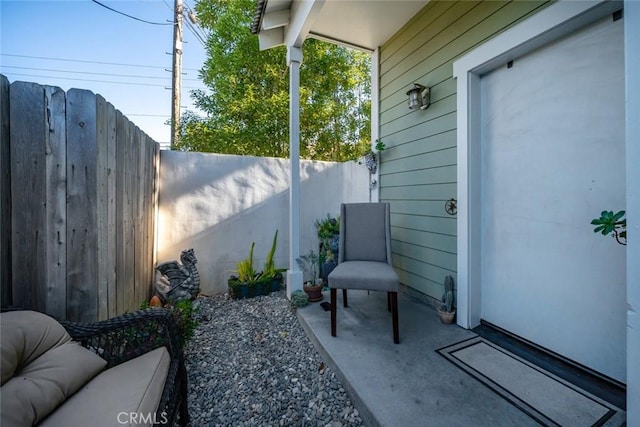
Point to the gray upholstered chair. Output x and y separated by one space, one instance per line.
364 260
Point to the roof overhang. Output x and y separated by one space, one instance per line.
360 24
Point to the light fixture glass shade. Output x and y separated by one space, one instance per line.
414 100
419 97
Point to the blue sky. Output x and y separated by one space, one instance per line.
67 32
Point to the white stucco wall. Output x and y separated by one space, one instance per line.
632 75
219 204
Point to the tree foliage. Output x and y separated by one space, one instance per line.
247 101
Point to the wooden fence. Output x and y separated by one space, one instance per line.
81 195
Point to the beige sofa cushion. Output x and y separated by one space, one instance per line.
25 336
127 394
42 385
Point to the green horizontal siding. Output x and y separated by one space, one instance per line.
434 224
429 143
422 176
427 239
418 168
427 160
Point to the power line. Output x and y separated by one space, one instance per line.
193 28
147 115
193 18
194 32
98 81
92 73
129 16
90 62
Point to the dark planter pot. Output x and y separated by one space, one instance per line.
255 289
327 268
243 290
237 289
314 292
275 285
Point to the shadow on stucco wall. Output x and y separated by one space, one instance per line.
219 204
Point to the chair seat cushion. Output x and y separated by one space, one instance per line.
367 275
127 394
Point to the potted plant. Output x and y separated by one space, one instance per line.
271 277
446 312
610 223
371 157
313 286
243 285
328 231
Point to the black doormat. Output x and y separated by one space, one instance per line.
545 397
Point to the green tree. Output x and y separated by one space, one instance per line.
247 101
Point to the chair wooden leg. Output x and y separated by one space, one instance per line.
394 314
334 309
344 298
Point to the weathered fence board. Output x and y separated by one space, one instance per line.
137 210
28 141
124 238
83 201
56 175
5 195
82 206
110 253
105 148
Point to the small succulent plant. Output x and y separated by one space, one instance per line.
612 223
299 299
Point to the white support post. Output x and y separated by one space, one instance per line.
374 180
294 275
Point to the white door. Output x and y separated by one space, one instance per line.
552 158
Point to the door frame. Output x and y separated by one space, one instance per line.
550 24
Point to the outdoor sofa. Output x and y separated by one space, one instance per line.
128 370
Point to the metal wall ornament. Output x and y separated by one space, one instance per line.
451 206
419 97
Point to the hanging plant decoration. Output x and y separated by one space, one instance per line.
371 162
371 158
614 224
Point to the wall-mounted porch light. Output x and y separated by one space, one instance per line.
419 97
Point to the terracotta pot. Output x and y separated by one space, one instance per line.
314 292
446 317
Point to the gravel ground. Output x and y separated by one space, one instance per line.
251 364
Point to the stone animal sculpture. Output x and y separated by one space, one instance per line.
176 281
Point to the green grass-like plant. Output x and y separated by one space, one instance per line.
270 271
245 270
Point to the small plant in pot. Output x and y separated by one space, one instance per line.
309 264
244 284
446 312
328 231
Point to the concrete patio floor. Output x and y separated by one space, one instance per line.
407 384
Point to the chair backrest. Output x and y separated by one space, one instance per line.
365 232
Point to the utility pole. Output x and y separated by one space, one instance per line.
176 77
